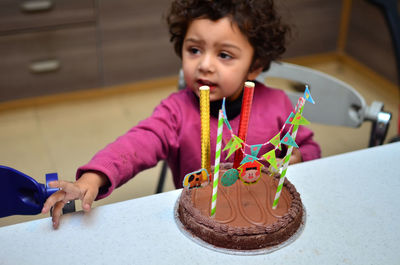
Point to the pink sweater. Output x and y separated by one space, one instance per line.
172 133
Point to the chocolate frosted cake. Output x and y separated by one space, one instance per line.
244 218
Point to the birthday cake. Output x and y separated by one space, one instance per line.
244 219
256 209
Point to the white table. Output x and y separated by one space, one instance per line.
353 217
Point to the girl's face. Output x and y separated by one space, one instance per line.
217 54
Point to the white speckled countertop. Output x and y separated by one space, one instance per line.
353 217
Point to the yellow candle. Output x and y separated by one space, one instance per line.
205 127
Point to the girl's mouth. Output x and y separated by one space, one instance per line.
201 82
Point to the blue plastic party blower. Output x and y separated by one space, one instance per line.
21 194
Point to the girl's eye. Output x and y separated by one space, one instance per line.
225 55
194 50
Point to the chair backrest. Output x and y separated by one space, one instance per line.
337 103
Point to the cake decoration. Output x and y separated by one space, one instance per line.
276 141
270 157
255 149
247 215
248 158
237 144
299 110
217 160
290 118
201 177
196 179
300 120
234 144
250 172
247 100
288 140
307 95
205 127
229 177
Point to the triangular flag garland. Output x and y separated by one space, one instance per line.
255 149
276 141
225 117
299 120
290 118
295 118
288 140
307 95
235 143
248 158
271 158
249 171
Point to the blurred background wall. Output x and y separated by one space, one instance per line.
50 47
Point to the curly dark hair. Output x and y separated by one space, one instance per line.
257 20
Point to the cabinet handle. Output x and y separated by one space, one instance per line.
36 5
45 66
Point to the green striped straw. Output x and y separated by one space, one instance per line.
287 158
216 164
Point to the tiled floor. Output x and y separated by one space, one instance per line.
61 137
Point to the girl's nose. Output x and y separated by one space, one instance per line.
206 64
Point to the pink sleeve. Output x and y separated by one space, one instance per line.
309 149
138 149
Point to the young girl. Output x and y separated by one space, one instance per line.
222 44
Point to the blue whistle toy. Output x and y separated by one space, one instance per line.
21 194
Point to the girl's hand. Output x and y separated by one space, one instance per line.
85 188
295 157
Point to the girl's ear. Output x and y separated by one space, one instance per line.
253 73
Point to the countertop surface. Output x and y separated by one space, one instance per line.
351 201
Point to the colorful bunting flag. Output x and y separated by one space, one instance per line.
300 120
234 144
225 116
276 141
290 118
223 107
248 158
228 144
255 149
271 158
288 140
276 170
307 95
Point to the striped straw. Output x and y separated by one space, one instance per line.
205 127
216 164
300 104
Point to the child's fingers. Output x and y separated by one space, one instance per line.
57 212
88 199
61 184
68 191
52 200
296 156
